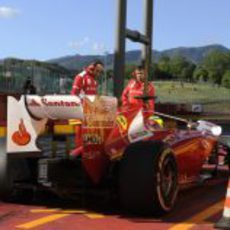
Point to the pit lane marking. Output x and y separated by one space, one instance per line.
200 217
91 215
58 211
44 210
56 214
41 221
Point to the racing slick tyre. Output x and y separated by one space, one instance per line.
148 178
10 170
5 181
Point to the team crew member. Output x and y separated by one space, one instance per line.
28 87
85 84
135 87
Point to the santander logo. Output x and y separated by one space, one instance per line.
50 103
21 136
34 103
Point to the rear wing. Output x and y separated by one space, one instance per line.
27 117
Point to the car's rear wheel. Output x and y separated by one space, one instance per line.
5 175
11 170
148 178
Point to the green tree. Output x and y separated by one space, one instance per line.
181 68
153 72
164 64
187 71
226 79
216 63
200 74
164 70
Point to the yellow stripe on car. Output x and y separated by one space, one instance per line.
2 131
63 129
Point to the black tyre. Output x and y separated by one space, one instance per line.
5 180
11 170
148 178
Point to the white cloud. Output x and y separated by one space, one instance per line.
8 12
84 46
99 47
79 44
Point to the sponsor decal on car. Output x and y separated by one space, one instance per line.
92 139
58 103
140 135
21 136
33 102
92 120
122 123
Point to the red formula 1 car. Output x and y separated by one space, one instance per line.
127 151
156 161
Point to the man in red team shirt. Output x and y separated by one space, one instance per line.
85 84
135 87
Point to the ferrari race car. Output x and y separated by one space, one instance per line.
129 152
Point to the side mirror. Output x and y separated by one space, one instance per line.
192 125
209 127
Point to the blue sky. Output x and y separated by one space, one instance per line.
45 29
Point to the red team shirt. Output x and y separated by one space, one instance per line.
136 88
84 84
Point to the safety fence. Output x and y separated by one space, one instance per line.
46 81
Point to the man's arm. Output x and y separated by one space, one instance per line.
125 96
77 85
151 93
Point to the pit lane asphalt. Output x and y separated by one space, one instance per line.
197 208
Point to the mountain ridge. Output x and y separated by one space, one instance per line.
194 54
78 61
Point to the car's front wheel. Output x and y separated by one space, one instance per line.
148 178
